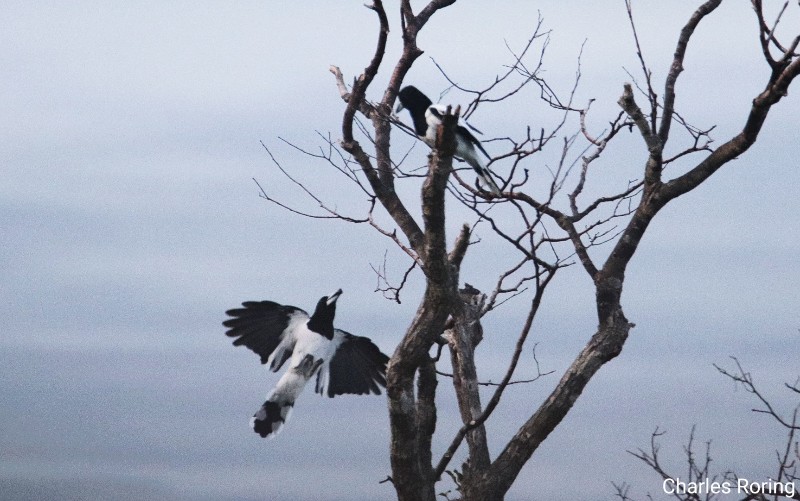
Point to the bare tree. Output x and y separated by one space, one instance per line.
700 483
549 230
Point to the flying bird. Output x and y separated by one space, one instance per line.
343 363
428 116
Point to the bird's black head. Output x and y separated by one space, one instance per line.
416 103
322 319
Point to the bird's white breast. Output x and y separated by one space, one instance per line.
311 343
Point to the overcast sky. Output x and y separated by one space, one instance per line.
130 223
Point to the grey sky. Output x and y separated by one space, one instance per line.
130 224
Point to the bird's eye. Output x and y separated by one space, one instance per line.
435 112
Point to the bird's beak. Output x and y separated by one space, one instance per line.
333 297
399 108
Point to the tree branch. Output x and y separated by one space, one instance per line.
677 66
742 141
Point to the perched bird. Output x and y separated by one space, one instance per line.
428 116
342 362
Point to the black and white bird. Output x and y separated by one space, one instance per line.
342 362
428 116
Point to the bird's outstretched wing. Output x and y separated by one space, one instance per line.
267 328
358 367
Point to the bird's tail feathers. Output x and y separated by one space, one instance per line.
487 182
479 166
270 418
485 177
